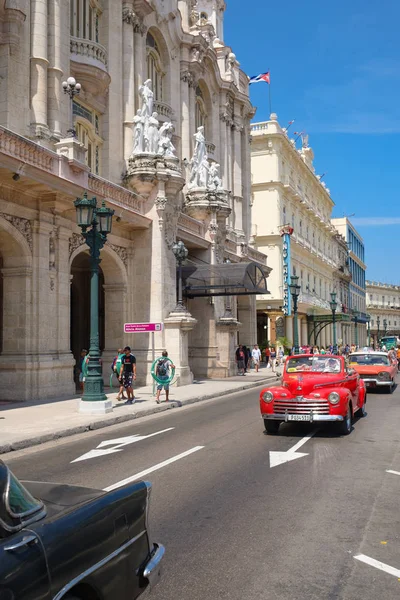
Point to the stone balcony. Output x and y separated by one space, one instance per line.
164 110
89 67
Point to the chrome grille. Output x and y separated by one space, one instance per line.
303 407
366 376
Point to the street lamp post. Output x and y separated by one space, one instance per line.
181 253
72 88
356 330
295 292
369 331
384 327
378 322
333 303
96 224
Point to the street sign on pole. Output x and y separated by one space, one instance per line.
142 327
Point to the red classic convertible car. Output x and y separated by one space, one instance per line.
314 388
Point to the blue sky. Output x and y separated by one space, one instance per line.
335 68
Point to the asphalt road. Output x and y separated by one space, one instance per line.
236 528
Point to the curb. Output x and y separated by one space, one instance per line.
50 437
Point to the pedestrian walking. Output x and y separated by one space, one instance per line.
240 360
256 356
273 359
267 354
128 373
82 368
163 373
246 358
116 368
281 355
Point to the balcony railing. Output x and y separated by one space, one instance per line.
89 49
163 109
192 225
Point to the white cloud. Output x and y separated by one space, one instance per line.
375 221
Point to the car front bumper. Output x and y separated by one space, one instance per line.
376 382
313 417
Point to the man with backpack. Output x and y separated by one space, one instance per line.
128 373
163 371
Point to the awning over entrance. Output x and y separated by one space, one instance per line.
227 279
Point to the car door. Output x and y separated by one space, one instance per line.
352 384
23 570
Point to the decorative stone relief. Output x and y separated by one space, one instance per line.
120 251
168 215
160 204
52 251
187 77
23 225
131 18
75 241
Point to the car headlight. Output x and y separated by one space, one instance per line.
384 375
334 397
267 396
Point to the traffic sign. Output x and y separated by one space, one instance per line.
142 327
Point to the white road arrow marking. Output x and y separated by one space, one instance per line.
279 458
118 444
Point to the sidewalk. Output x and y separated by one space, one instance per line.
28 424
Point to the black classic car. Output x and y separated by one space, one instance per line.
75 543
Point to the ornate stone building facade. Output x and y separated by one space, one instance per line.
112 47
291 214
383 305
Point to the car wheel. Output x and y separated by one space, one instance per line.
362 412
345 425
390 388
271 426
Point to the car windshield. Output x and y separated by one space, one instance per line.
19 501
369 359
313 364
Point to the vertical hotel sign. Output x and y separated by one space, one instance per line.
286 232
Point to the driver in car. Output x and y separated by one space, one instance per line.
332 366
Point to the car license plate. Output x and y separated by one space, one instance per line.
299 418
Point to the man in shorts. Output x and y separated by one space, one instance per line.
256 355
128 373
163 371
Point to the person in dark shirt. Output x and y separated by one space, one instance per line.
128 373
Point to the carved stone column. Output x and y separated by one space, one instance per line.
237 177
186 82
129 21
39 64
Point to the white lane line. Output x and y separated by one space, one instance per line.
152 469
378 565
393 472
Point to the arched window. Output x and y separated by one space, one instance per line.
155 71
84 19
201 111
87 125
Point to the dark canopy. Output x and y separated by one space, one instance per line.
227 279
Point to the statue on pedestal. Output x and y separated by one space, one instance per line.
199 166
165 145
214 179
153 135
147 96
138 133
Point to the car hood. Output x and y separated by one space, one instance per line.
370 369
59 496
301 384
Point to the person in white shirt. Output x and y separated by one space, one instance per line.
256 355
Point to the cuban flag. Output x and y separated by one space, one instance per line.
258 78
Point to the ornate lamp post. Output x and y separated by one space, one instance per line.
333 303
378 322
72 88
295 292
181 253
384 326
96 224
356 329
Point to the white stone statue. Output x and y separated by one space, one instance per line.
214 179
147 96
199 166
138 133
152 135
165 145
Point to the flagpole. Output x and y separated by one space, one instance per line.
269 98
